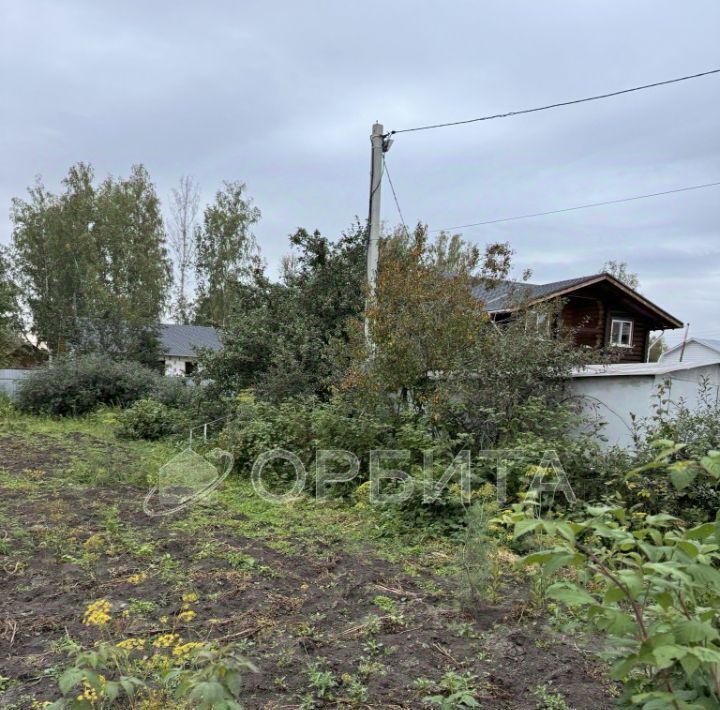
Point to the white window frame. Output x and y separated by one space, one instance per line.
622 322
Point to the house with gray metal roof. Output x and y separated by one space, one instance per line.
599 310
181 343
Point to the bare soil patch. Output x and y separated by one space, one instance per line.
294 606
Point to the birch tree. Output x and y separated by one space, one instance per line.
226 252
184 209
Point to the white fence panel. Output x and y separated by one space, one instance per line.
10 379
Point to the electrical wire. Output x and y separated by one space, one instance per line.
556 105
579 207
395 197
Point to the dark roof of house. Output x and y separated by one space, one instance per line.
509 295
184 340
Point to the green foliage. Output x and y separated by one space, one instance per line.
85 686
7 408
92 263
421 321
226 254
209 677
147 419
649 582
549 700
621 271
214 679
322 682
303 427
279 337
76 385
484 570
453 690
9 309
682 433
522 386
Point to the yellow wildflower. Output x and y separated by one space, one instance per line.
187 615
185 648
163 619
131 644
94 543
189 598
89 693
167 640
158 662
97 613
137 578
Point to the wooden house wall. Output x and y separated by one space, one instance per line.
589 313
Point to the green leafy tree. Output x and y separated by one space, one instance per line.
92 263
9 309
433 349
226 253
621 271
134 268
421 320
279 337
58 271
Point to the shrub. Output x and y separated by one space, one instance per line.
77 385
697 428
147 419
175 392
302 426
7 409
307 426
689 433
649 582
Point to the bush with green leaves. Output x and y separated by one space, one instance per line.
206 677
694 431
650 582
698 428
72 386
7 408
308 426
301 426
147 419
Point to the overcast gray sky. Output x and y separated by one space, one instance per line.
282 95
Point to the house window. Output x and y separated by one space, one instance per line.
189 367
621 331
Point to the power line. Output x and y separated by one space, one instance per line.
558 105
394 194
579 207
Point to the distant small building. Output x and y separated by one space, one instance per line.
181 343
695 350
612 394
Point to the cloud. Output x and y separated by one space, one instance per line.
283 95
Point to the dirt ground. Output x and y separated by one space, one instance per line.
325 622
